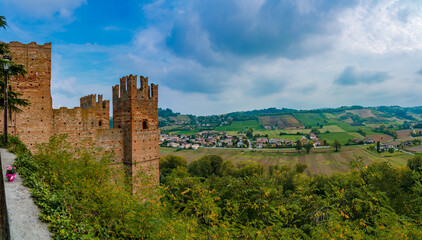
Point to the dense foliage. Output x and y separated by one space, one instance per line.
389 131
83 198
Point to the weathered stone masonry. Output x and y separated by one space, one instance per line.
134 136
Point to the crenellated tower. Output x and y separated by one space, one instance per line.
135 111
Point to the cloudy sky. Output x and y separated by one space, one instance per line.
218 56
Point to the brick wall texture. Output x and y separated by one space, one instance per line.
133 137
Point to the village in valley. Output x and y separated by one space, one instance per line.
382 129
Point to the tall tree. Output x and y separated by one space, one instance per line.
3 46
308 147
3 22
298 145
14 99
337 145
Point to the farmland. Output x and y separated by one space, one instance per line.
342 125
319 161
310 119
282 121
363 113
240 126
342 137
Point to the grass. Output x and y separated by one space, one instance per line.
241 126
330 116
342 137
310 119
180 117
331 128
184 132
319 161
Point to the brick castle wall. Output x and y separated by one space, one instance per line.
134 136
35 123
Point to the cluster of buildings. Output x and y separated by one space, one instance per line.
222 139
204 139
263 142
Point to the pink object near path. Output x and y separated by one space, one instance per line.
11 177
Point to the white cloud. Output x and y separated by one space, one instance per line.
382 27
44 9
198 73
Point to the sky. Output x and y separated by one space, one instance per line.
219 56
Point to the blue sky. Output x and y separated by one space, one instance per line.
218 56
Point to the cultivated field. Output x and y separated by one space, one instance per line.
342 137
283 121
363 113
319 161
403 133
180 117
310 119
381 137
415 148
240 126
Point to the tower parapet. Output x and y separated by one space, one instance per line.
90 102
135 111
128 90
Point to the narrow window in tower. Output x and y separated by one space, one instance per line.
99 123
145 124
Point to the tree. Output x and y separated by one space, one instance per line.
14 100
308 147
415 163
3 22
300 167
249 133
171 162
206 166
315 130
298 145
362 132
378 146
3 46
337 145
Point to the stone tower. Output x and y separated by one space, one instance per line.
135 111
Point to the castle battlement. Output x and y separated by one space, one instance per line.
90 101
128 89
31 44
134 136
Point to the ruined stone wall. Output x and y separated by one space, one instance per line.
35 123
